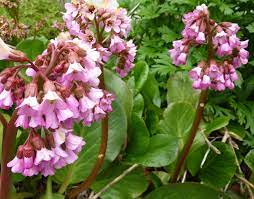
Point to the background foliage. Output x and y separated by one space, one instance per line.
154 111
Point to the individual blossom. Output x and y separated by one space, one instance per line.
67 147
53 107
8 53
179 53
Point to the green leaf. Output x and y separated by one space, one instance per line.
131 186
219 168
31 47
250 27
123 94
216 124
140 137
186 191
162 151
194 159
180 90
249 159
177 122
92 135
139 105
167 34
151 90
141 71
237 131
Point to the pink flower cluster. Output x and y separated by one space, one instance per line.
85 19
66 86
218 76
227 43
231 52
193 34
71 93
65 89
44 155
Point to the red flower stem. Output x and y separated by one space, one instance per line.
199 111
9 139
194 129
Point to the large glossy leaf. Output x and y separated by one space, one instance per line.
161 151
219 168
92 135
186 191
123 94
31 47
139 136
141 72
131 186
180 89
177 122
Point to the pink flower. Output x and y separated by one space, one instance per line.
195 73
43 155
6 99
178 54
8 53
54 109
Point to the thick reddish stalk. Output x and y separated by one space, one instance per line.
8 153
194 129
199 112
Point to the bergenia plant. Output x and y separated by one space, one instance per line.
66 87
225 53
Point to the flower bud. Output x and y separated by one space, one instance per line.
50 140
79 92
37 142
28 150
20 152
49 86
10 83
31 90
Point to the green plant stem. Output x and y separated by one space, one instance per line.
49 188
7 155
67 180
